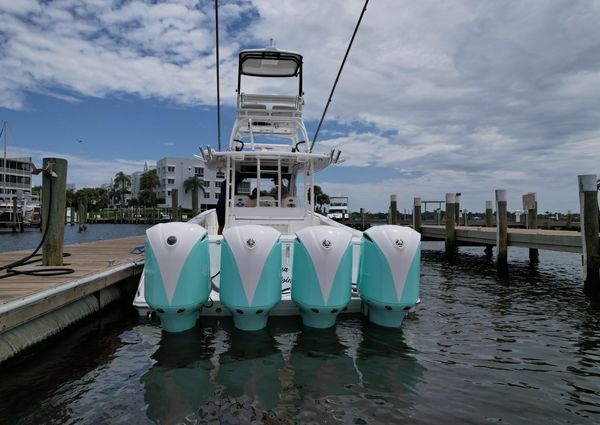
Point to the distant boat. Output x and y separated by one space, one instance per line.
275 255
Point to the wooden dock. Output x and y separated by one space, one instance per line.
553 240
26 299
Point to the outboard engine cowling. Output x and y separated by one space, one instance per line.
322 274
176 273
389 273
250 284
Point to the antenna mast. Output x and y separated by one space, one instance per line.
338 75
218 85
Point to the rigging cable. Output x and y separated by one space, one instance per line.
218 85
338 75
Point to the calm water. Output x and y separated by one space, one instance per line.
31 237
480 349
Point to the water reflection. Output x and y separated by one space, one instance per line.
178 383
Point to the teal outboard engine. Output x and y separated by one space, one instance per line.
322 274
389 273
250 284
176 273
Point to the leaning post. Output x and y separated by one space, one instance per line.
530 205
501 231
393 209
54 194
450 224
588 201
417 214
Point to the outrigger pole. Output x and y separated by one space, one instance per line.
338 75
218 85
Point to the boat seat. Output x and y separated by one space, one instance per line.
241 200
267 201
290 202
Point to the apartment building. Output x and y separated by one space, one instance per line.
173 171
15 176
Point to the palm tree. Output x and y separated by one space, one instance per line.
148 182
123 180
321 198
194 184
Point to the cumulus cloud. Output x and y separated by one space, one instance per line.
82 170
461 96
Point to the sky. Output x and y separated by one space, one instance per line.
439 96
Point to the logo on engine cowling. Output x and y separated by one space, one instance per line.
326 243
250 243
399 243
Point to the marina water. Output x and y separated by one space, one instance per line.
480 349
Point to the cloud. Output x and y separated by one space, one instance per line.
462 96
83 171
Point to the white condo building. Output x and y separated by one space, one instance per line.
15 176
173 171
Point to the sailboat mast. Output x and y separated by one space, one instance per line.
4 131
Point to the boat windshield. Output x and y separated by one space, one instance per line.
270 63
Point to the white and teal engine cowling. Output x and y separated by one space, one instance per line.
176 273
322 274
250 283
389 273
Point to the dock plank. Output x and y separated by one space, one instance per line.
86 259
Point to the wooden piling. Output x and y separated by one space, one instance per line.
417 214
15 212
450 224
489 222
489 217
393 209
530 206
54 194
175 205
501 231
588 201
457 209
362 219
82 214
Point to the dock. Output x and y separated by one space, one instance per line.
553 240
34 307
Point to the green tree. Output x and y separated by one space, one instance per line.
148 182
321 198
194 184
122 181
